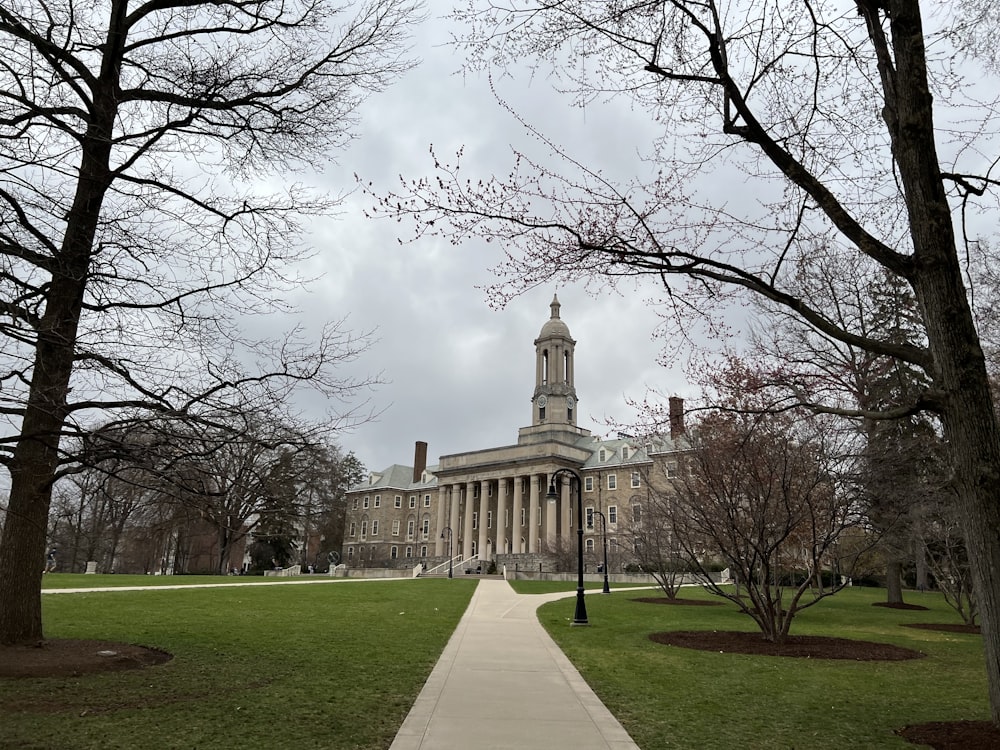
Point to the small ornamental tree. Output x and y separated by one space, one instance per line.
759 490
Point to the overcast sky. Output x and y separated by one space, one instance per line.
459 374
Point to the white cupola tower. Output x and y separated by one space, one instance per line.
554 400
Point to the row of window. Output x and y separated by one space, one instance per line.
636 481
397 502
425 528
393 552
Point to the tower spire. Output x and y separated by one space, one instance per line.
554 399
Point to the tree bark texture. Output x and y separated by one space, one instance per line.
36 455
971 431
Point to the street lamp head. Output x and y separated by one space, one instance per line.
551 495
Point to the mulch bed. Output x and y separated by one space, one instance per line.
73 658
953 735
800 646
945 627
677 600
899 605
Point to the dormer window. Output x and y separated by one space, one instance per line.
624 453
602 455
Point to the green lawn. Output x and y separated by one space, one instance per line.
338 665
81 580
668 697
322 666
547 587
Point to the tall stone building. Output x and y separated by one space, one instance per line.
492 505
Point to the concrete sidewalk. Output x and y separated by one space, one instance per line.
502 682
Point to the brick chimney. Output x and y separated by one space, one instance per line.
419 459
676 417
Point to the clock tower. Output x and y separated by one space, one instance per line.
554 400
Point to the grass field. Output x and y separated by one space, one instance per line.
337 665
668 697
80 580
333 665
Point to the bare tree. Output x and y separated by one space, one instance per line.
761 491
136 138
834 113
901 464
948 559
656 547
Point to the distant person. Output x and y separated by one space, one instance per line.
50 560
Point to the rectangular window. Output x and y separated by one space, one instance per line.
397 502
375 527
624 453
393 552
423 551
395 527
409 551
364 503
475 519
636 513
612 481
353 528
413 501
364 529
602 455
590 518
590 545
671 469
354 506
350 553
612 514
378 501
588 484
427 501
425 527
409 529
635 479
524 515
489 519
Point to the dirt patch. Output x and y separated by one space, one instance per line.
945 627
899 605
800 646
953 735
677 600
75 658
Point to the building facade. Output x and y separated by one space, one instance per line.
515 504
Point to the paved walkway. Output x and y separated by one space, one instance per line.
502 682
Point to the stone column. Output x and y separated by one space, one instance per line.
467 530
516 530
500 543
456 499
484 507
533 514
551 517
441 544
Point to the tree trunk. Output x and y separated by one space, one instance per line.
894 581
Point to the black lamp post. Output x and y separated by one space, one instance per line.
448 529
580 617
604 541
